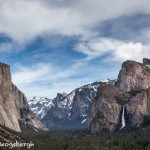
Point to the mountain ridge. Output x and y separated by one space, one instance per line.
103 105
71 108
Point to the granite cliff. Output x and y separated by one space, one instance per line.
125 104
134 75
13 104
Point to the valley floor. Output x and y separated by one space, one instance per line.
81 139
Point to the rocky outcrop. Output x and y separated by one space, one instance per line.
106 107
138 108
125 104
13 104
134 75
9 136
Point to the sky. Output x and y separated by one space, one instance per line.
58 45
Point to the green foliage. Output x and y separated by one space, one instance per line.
99 115
122 100
133 92
81 139
146 121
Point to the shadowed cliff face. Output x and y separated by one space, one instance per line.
13 104
139 107
105 112
132 91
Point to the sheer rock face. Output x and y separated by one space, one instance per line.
132 91
13 104
105 111
134 75
138 107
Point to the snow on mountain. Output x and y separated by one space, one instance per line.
66 109
40 105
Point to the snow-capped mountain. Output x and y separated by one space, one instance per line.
40 105
67 110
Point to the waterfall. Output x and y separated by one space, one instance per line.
123 118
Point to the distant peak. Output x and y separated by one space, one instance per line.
146 61
105 80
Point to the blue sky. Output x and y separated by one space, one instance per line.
57 46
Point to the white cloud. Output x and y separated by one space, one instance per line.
118 50
32 90
27 75
6 47
10 47
42 79
24 20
